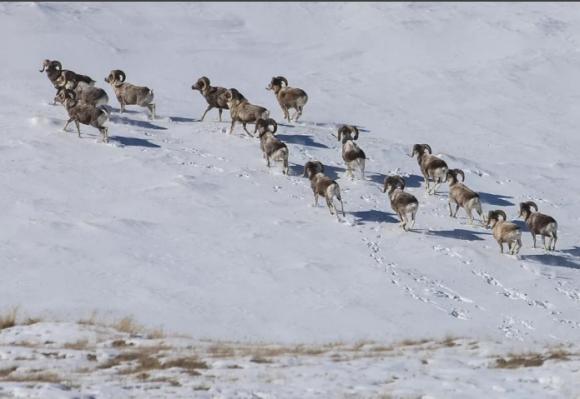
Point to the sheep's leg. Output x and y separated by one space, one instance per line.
500 247
469 215
220 112
232 126
519 246
286 114
316 199
450 209
104 134
151 108
544 241
122 104
330 206
402 222
534 239
67 123
362 168
268 160
341 206
456 210
206 111
298 113
244 125
77 124
413 214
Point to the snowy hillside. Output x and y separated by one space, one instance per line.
182 226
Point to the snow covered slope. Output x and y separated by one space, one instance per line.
182 226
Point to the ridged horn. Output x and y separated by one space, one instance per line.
283 79
57 64
460 172
120 75
532 204
272 122
44 65
428 147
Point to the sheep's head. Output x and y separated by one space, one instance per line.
234 97
115 76
393 182
48 65
419 149
201 84
65 95
311 168
264 126
347 132
452 176
277 83
494 216
525 209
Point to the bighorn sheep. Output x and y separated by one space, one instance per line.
59 77
463 196
215 96
128 94
85 94
324 186
288 97
431 166
84 113
312 168
403 203
352 155
242 111
270 145
538 223
503 231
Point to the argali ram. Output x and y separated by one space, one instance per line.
288 97
129 94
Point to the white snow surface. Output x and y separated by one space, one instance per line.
183 226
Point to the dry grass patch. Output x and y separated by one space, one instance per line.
81 344
8 320
6 371
514 361
127 325
45 377
187 363
260 360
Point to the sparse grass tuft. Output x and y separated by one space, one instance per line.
47 377
127 325
78 345
514 361
7 371
8 320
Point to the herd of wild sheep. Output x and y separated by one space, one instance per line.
87 105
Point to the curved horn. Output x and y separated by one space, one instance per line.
428 147
416 149
502 214
203 80
460 172
44 65
120 75
57 64
340 131
401 182
355 130
272 122
532 204
283 79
